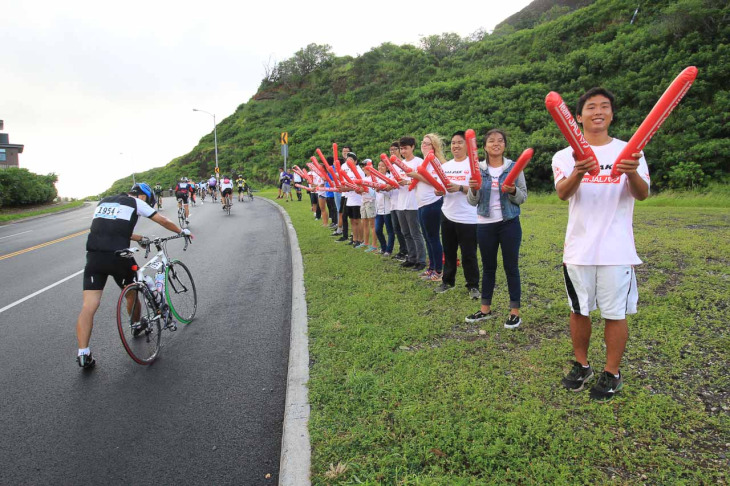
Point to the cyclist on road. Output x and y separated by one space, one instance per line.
192 190
112 228
226 191
158 195
182 191
241 183
212 183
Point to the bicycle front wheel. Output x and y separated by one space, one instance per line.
180 291
138 323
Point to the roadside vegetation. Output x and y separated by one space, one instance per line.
21 188
448 83
404 392
16 214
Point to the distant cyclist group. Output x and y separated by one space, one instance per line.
186 191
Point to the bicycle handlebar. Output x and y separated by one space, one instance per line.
128 252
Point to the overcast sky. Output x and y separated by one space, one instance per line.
96 90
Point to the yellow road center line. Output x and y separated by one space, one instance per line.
20 252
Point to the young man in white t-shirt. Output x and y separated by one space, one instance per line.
599 255
408 210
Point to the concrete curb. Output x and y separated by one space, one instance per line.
296 454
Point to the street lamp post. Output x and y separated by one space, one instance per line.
215 138
134 181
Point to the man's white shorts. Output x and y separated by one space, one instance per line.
611 288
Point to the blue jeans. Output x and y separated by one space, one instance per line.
338 199
403 248
430 218
380 221
508 235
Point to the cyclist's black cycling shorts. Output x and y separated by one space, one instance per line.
101 264
226 191
183 196
240 189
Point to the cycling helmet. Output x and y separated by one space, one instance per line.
144 188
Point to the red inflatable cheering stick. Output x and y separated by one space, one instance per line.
323 172
353 168
317 170
471 148
332 175
571 131
383 178
343 175
518 167
396 161
436 164
423 172
303 174
392 171
669 100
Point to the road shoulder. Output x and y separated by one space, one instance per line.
295 444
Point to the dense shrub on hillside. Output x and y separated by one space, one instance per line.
499 80
19 187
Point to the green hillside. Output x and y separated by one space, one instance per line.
500 80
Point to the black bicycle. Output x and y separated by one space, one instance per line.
181 219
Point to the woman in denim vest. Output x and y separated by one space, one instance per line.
498 225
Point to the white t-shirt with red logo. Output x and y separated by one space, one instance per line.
407 200
394 193
424 190
456 208
317 181
353 198
601 212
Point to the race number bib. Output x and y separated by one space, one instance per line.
113 211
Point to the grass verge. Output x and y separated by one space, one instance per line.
404 392
14 214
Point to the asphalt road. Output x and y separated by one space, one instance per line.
208 411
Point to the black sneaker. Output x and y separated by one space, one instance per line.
474 293
606 386
86 361
419 266
336 234
444 287
479 316
408 264
578 377
400 257
342 238
512 322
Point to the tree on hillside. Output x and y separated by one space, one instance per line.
293 70
441 46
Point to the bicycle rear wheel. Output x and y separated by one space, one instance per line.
181 217
180 291
138 323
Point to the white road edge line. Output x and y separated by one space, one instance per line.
10 306
16 234
296 455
